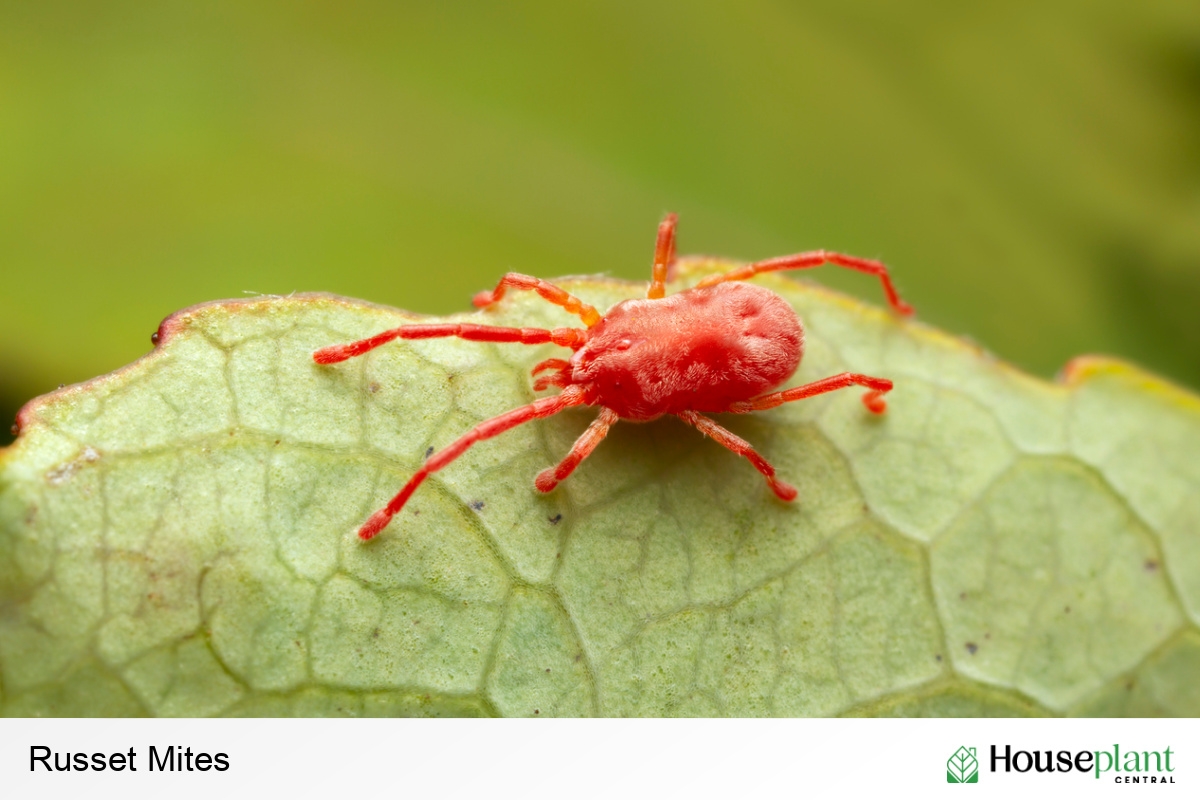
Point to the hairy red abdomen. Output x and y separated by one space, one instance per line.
699 350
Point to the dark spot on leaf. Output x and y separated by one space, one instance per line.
557 518
154 338
477 505
428 452
938 656
373 387
547 669
277 441
577 657
972 648
416 622
1067 610
1129 685
536 712
962 595
375 633
987 635
1151 565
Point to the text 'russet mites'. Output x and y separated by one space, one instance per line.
173 758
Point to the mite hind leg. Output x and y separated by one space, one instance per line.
728 439
872 399
547 479
816 258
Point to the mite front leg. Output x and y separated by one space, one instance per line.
557 296
567 337
583 447
664 255
815 259
873 399
538 409
740 446
560 378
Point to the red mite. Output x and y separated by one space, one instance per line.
720 346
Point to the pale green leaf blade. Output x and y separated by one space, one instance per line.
178 538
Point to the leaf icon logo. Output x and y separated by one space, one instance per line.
962 767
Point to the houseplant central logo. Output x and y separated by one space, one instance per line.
963 767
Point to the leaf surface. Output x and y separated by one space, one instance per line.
178 538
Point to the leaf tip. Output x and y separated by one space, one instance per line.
1081 369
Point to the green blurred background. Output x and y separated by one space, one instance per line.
1030 170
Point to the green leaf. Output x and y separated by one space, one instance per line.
178 538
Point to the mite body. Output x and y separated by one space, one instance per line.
721 346
699 350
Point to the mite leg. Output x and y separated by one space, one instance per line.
815 259
549 291
873 399
495 426
567 337
664 255
560 378
550 363
740 446
547 479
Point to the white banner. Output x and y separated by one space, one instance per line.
727 759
